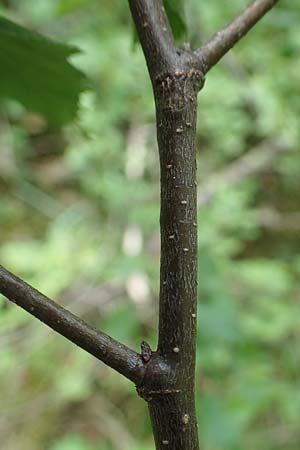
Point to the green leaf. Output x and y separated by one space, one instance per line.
174 10
36 72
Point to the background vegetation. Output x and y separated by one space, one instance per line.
79 217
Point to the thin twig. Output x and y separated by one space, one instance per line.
224 40
113 353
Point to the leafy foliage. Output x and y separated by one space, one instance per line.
36 72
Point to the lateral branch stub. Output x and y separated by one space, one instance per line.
175 89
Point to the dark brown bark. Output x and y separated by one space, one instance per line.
173 415
164 378
168 385
113 353
170 395
155 34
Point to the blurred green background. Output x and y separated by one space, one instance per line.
79 217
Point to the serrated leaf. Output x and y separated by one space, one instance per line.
174 10
36 72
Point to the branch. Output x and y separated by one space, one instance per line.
224 40
154 33
114 354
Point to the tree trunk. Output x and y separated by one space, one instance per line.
170 395
177 76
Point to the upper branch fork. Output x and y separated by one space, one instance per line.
158 43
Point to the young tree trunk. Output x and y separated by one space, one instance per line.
164 378
173 414
171 396
177 76
168 385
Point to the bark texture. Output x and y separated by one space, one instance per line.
168 385
170 395
177 76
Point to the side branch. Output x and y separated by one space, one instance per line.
224 40
154 33
114 354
